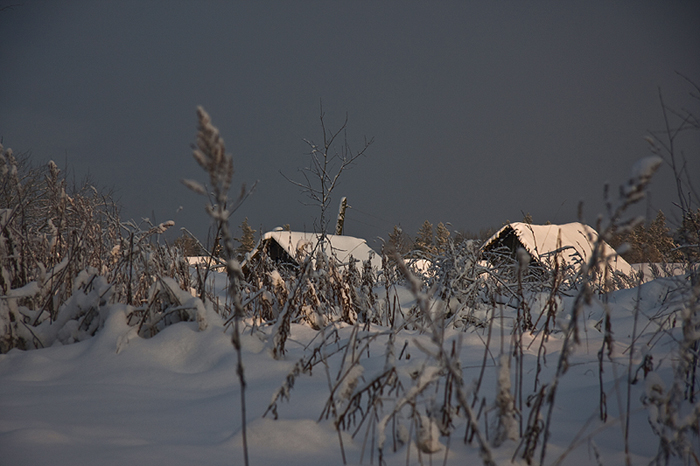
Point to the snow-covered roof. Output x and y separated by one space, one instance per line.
298 244
541 241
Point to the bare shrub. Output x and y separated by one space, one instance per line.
66 256
49 235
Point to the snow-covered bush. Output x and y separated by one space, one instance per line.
65 256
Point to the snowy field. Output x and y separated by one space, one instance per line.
494 357
174 399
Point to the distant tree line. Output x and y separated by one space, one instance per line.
431 240
192 247
654 242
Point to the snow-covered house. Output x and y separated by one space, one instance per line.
573 242
292 247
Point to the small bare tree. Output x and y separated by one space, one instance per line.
327 162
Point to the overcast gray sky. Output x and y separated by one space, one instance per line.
479 110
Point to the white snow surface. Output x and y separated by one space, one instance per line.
174 399
540 240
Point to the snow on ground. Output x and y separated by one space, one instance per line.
173 399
